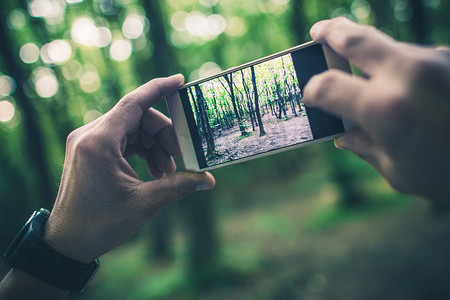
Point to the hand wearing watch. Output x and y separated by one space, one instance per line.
30 253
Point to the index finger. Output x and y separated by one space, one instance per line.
126 116
366 47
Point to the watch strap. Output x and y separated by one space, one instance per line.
35 257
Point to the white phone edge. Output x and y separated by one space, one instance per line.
333 60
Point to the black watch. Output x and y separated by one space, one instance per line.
31 254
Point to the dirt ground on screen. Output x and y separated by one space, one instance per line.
279 134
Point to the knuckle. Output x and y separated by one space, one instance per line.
321 85
87 145
71 137
394 115
351 40
429 67
129 102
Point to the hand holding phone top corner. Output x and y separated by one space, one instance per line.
402 109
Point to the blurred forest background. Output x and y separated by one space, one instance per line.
314 223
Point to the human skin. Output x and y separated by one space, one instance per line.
401 108
101 201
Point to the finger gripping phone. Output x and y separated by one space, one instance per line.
253 110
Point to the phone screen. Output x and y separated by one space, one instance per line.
256 109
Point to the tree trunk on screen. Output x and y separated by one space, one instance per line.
251 110
209 136
262 132
229 80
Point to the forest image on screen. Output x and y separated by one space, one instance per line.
251 111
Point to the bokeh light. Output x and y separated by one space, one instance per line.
45 83
74 1
433 4
216 24
89 79
91 115
235 26
338 12
133 26
208 69
56 52
29 53
208 3
7 111
104 37
120 50
46 8
177 20
402 10
361 9
206 27
84 31
180 39
71 70
275 7
16 19
7 85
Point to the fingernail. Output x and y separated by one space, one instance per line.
315 28
338 143
203 186
179 76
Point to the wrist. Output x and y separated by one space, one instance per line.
31 254
68 244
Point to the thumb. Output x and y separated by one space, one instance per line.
127 113
160 193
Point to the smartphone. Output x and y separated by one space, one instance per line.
254 110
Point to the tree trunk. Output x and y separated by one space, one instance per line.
298 21
262 132
418 22
163 63
203 238
34 140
